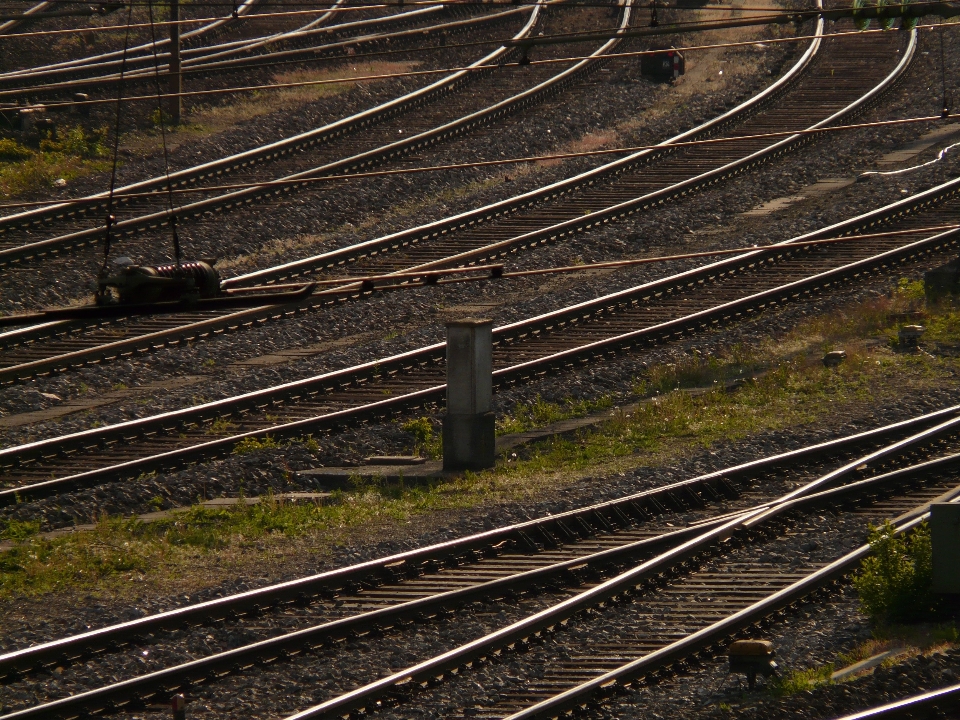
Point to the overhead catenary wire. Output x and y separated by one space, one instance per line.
116 147
499 162
266 60
163 136
253 17
440 71
497 271
350 285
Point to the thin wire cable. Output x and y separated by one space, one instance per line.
116 148
440 71
617 264
265 61
901 171
499 162
163 137
362 8
943 75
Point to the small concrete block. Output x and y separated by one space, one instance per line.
342 478
752 648
945 537
395 460
752 658
28 118
834 358
911 334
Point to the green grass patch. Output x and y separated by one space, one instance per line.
540 412
784 385
76 152
796 681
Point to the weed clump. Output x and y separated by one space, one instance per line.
894 581
12 151
252 444
797 681
538 413
74 152
426 441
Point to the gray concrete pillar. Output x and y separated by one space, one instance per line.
945 538
469 428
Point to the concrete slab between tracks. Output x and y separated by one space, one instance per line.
924 142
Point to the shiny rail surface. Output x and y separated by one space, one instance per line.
57 347
18 230
653 313
574 549
70 344
722 562
530 536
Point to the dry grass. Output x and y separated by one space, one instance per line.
205 120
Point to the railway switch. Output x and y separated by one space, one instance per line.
752 658
469 441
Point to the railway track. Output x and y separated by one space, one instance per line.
492 232
495 97
143 52
581 557
235 55
306 153
26 9
661 623
692 302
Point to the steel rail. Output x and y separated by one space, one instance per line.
145 688
88 62
204 59
270 151
619 512
632 580
9 25
243 8
158 685
703 639
694 322
369 248
394 149
360 161
942 699
552 191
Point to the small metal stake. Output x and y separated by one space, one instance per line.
178 705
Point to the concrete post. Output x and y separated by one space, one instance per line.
174 104
469 427
945 538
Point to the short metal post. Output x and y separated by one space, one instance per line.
945 539
174 104
469 427
178 704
